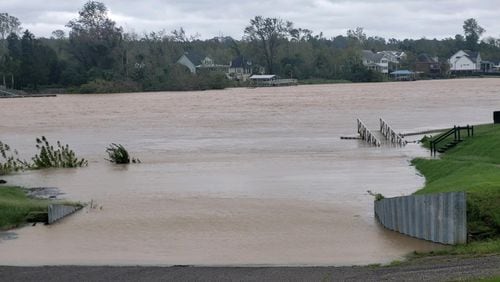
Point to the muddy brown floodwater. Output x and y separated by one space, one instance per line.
232 177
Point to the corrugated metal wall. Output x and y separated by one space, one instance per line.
57 211
440 218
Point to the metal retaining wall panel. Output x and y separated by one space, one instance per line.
57 212
440 218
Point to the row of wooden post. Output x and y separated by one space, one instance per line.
366 134
390 134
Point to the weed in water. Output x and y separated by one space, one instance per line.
55 157
119 155
9 160
377 196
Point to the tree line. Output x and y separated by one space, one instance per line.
98 56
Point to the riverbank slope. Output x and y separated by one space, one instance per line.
472 166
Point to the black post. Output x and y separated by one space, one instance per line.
472 131
455 132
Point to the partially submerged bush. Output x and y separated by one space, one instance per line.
104 86
9 160
119 155
59 157
377 196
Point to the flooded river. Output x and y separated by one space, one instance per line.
231 177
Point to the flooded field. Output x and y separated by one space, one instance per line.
232 177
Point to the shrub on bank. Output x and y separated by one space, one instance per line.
104 86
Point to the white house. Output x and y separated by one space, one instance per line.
194 62
465 61
375 61
394 56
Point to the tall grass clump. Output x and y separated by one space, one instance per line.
9 160
119 155
60 156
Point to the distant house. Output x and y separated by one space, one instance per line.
394 56
240 69
427 65
488 67
375 61
382 60
496 67
465 61
195 62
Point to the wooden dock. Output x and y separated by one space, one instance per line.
9 93
384 136
270 80
391 135
367 135
28 96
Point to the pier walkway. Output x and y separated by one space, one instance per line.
384 135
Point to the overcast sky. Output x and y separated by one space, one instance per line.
387 18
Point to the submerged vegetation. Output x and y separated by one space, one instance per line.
55 157
377 196
472 166
119 155
48 157
9 160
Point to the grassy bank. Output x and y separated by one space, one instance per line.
472 166
15 206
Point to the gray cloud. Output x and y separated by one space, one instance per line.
386 18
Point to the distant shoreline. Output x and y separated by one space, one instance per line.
64 91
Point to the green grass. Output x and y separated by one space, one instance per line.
487 246
15 206
492 279
472 166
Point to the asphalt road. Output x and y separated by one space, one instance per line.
423 269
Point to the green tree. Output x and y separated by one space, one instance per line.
59 34
8 24
94 40
11 62
39 64
268 33
473 32
357 35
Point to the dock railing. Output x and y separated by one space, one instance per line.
367 135
389 134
